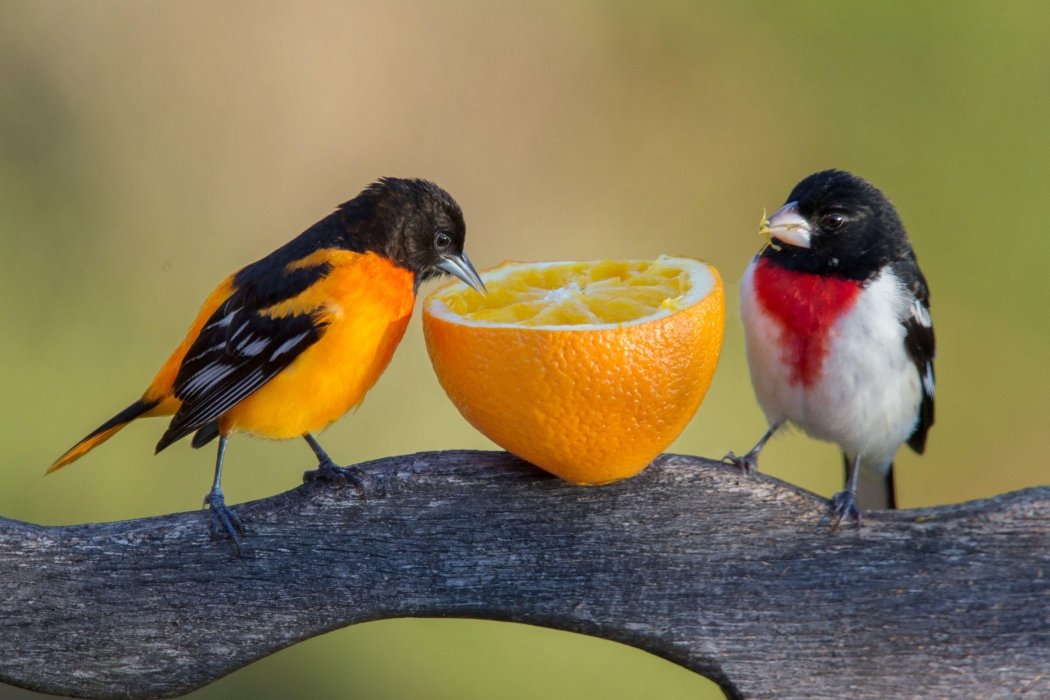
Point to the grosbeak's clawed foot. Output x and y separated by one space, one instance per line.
747 464
223 518
330 471
844 505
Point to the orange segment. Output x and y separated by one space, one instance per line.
586 369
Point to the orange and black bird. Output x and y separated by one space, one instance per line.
288 344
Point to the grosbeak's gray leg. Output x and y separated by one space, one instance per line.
330 471
844 503
748 464
221 515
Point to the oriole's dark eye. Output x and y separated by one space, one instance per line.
442 240
833 221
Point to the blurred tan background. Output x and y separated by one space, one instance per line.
147 150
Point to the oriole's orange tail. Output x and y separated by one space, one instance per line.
103 433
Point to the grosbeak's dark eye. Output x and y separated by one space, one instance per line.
442 240
832 221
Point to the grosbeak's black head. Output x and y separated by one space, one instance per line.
414 223
838 224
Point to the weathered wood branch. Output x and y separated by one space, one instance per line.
735 578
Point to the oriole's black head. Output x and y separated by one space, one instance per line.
415 224
838 224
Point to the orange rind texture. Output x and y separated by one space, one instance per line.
590 403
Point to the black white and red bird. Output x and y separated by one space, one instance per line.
839 337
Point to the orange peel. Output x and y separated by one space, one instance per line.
586 369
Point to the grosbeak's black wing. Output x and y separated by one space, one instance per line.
920 344
240 348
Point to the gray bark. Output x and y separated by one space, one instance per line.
733 577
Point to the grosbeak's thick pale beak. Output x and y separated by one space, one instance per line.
459 265
788 226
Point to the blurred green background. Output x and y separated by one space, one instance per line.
148 149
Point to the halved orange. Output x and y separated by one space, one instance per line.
586 369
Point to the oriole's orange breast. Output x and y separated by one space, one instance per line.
366 302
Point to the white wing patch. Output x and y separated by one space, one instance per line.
921 314
207 377
237 392
927 380
252 349
222 322
288 345
237 332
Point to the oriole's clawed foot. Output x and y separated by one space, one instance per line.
224 518
330 471
747 464
844 505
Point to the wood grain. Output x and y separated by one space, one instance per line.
735 578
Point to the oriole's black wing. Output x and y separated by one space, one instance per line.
240 348
920 344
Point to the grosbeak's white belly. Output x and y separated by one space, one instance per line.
828 355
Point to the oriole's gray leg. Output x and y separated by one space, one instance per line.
329 470
221 515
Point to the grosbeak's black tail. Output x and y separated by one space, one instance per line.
874 493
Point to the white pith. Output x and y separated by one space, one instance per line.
701 281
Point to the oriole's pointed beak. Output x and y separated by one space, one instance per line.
788 226
459 265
